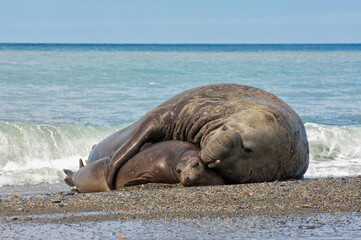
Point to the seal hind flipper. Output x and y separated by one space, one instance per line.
69 177
81 164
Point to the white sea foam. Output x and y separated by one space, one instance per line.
34 154
334 151
37 171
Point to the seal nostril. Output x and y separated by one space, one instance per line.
247 150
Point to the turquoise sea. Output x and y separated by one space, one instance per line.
57 100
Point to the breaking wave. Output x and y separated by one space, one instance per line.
334 151
32 154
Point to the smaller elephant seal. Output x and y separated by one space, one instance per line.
163 162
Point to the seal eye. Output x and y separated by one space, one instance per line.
224 128
195 165
179 171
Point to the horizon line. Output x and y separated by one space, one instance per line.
90 43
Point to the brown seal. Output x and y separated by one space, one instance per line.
245 133
164 162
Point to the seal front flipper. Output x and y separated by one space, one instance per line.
69 177
144 178
150 129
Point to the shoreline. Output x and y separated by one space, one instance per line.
163 201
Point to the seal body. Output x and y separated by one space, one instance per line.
164 162
245 133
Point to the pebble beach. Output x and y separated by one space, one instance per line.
159 203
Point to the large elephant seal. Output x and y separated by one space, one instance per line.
164 162
245 133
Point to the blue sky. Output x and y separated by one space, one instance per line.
183 21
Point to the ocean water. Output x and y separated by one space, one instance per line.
57 100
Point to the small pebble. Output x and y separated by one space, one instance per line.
306 227
69 193
74 190
121 236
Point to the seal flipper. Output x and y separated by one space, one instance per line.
150 129
69 177
143 178
81 164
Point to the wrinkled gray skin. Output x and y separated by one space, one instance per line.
163 162
245 133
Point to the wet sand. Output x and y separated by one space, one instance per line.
157 202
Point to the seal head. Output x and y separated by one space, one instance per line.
257 144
